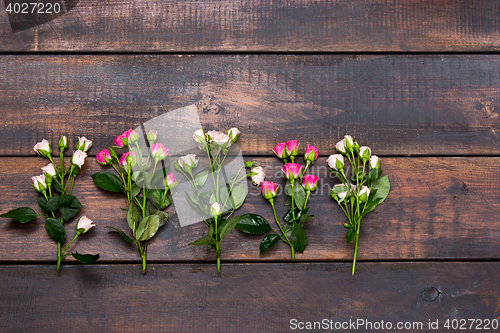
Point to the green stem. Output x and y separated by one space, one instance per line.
292 181
59 258
282 231
61 159
355 248
67 246
308 192
72 184
217 249
305 169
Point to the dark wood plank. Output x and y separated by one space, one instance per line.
245 297
259 25
439 208
398 105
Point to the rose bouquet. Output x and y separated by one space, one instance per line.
145 186
360 193
298 189
215 194
60 208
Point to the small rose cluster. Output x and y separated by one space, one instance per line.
56 179
137 174
363 190
292 232
212 202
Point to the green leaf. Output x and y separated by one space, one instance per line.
201 178
304 218
107 181
55 229
206 240
252 224
135 190
288 188
288 200
228 226
85 258
160 174
163 217
382 187
42 203
54 203
67 212
21 214
268 242
156 197
238 195
300 216
124 235
71 201
57 185
151 226
350 235
298 238
132 216
374 174
299 195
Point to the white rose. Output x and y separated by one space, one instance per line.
374 162
49 169
189 160
233 134
365 153
84 224
258 175
83 144
332 161
215 209
364 193
220 138
199 136
39 183
78 158
43 148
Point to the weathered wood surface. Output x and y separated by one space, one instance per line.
245 297
397 104
258 25
438 208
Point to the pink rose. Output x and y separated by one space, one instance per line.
128 158
84 224
257 175
120 141
43 148
311 153
309 182
170 181
269 189
159 151
104 157
292 148
83 144
291 170
39 183
131 135
78 158
280 150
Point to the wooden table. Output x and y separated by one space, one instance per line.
418 81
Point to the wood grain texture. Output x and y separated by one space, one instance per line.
245 297
262 25
438 208
397 104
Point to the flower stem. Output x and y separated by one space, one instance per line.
67 246
61 159
59 257
355 248
217 248
72 184
282 231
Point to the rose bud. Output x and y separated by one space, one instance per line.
78 158
63 142
219 138
151 136
199 137
170 182
280 151
43 148
233 133
309 182
132 136
349 141
291 170
159 151
364 193
341 146
340 192
39 183
128 159
49 169
269 189
83 144
120 141
215 209
311 153
292 148
84 224
365 153
374 162
257 175
336 162
104 157
188 162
